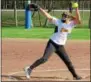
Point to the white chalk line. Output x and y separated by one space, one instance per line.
54 80
10 75
48 70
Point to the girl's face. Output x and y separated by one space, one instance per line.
65 18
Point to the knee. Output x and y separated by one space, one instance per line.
70 64
43 60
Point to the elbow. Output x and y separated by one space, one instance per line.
79 22
49 18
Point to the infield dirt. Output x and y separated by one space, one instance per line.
18 53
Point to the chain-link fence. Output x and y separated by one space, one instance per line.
54 7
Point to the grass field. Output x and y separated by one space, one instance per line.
42 33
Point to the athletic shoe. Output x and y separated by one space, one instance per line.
27 72
77 78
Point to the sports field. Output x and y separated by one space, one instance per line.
21 47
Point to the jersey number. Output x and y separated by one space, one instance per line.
63 30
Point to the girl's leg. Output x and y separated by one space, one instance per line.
64 56
47 53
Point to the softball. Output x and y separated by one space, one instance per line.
75 5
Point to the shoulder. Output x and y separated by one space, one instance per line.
72 23
54 18
56 21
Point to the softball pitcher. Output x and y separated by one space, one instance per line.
57 41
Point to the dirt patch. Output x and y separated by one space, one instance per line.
18 53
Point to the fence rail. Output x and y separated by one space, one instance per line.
45 9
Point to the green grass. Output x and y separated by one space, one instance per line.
42 33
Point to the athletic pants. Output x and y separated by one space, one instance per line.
60 51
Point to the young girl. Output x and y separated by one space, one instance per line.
57 41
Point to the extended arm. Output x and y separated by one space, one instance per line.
77 17
49 17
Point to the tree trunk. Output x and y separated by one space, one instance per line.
39 18
15 13
90 17
49 10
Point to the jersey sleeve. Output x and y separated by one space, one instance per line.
73 24
55 21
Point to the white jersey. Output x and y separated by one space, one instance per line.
60 37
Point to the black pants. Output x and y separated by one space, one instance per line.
60 51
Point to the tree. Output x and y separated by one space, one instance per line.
15 13
90 17
49 10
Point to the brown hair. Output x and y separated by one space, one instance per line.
68 15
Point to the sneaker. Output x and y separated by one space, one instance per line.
27 72
77 78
